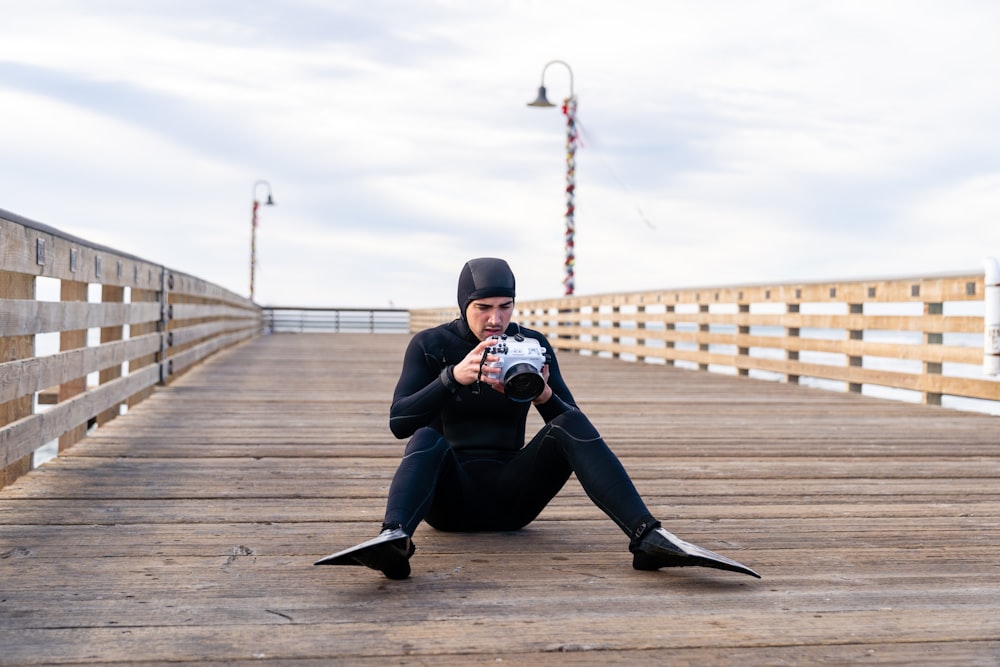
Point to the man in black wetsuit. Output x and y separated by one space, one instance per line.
466 466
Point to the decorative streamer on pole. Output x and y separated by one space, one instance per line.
569 109
253 246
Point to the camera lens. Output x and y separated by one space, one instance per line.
523 383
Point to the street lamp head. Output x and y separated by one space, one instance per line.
270 199
542 100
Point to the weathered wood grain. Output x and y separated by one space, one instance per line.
13 349
185 530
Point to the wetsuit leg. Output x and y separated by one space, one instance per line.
570 444
427 460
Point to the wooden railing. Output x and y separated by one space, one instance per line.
921 335
123 325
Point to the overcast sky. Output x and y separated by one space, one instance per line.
724 142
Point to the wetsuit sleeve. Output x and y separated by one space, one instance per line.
562 400
425 385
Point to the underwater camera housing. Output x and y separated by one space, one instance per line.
520 364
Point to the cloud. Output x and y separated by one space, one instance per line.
722 143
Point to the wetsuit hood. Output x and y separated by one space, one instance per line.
482 278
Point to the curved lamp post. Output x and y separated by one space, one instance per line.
253 231
569 109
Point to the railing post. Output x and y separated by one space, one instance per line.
640 330
991 318
932 368
616 327
855 361
669 345
111 294
743 308
561 324
792 332
71 290
142 329
163 324
703 330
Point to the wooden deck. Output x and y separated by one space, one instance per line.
185 531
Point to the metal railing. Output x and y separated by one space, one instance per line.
290 319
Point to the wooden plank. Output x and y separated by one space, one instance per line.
13 349
188 334
323 632
886 544
22 317
185 530
193 311
182 285
38 250
68 419
125 477
24 377
728 511
181 361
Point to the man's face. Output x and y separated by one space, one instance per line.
490 316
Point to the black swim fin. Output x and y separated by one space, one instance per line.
661 548
388 552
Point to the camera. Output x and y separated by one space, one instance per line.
520 364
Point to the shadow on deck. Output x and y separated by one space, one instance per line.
186 530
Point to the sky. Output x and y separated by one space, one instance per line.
721 143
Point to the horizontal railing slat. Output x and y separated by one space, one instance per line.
26 376
25 435
181 361
22 317
184 335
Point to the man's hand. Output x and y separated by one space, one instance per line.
474 368
546 390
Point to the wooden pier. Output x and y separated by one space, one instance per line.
185 531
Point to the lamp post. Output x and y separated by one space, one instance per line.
569 109
253 231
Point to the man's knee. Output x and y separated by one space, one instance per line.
576 426
425 440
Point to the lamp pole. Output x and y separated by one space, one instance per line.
569 110
253 231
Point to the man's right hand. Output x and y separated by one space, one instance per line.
473 368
